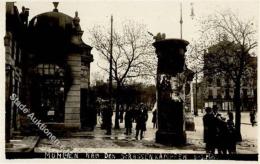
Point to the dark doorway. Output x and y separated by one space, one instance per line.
48 93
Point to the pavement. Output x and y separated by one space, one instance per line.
22 144
97 142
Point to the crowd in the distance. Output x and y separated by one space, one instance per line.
135 113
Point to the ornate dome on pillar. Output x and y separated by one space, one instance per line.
50 34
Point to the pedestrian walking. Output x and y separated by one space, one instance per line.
154 119
252 117
107 114
134 112
209 130
128 121
231 134
103 113
98 106
141 118
121 113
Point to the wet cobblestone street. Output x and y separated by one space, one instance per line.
118 142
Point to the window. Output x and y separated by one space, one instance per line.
13 48
227 95
48 92
219 94
210 96
48 69
218 83
210 80
17 55
245 81
245 93
227 80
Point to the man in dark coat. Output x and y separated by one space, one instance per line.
209 130
218 125
128 120
142 117
252 117
107 114
231 135
221 135
121 113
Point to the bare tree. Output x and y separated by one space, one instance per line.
133 54
228 41
195 62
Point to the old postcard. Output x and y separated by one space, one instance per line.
139 80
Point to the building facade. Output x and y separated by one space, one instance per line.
13 41
48 68
220 91
219 88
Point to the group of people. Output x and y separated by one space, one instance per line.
137 113
140 116
219 133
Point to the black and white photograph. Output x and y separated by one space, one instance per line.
130 80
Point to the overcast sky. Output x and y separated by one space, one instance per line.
158 16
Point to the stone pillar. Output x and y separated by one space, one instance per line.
72 104
171 129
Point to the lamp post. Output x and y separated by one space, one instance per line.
196 94
181 32
181 20
110 82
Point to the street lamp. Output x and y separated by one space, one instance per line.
192 15
110 82
196 94
181 20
